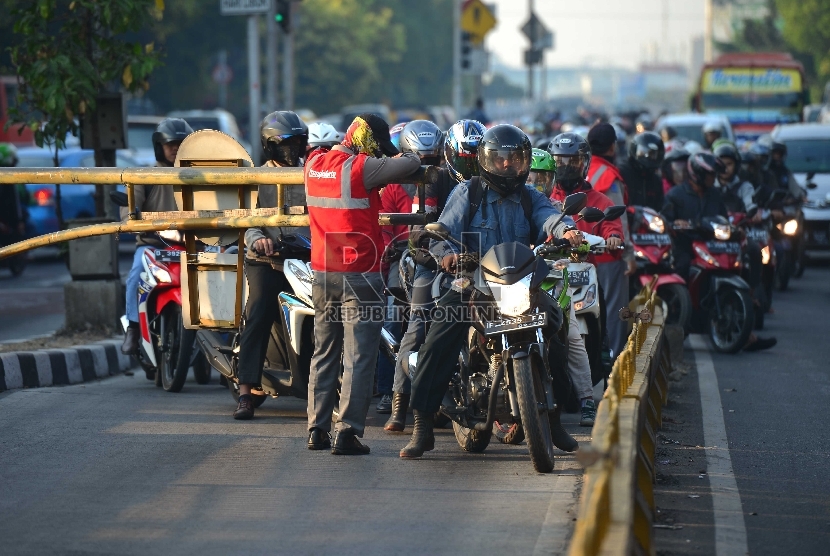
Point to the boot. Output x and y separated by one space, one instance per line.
397 421
131 338
561 438
423 439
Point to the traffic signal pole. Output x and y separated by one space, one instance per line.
456 58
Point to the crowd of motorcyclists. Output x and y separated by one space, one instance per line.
492 188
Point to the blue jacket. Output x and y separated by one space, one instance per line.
505 221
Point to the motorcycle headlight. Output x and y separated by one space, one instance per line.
706 256
159 273
722 231
299 272
512 300
791 227
589 299
765 255
655 223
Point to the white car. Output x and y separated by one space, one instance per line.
140 131
220 120
690 126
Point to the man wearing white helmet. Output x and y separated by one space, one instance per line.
322 136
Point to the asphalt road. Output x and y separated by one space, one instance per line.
122 467
774 408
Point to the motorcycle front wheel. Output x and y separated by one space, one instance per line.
530 391
679 302
175 359
730 330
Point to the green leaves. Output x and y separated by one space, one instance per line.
807 27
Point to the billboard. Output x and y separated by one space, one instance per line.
755 80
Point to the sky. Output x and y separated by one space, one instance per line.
597 32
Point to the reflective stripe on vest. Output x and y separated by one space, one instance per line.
345 200
597 175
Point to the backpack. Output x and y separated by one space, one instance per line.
477 195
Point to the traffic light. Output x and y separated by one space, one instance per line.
283 15
466 51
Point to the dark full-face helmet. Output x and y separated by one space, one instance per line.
461 149
703 169
572 155
674 165
727 151
646 150
284 137
169 130
504 158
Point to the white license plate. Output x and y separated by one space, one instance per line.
168 255
509 324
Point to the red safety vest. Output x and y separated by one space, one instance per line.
602 175
345 234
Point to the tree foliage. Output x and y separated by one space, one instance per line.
66 53
807 27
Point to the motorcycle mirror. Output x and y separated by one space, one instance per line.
614 212
591 214
436 230
119 198
811 185
574 203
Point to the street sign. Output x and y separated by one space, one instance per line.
244 7
477 20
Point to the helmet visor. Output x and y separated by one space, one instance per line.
678 171
569 168
466 165
541 180
506 163
647 157
286 150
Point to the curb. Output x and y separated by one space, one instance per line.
57 367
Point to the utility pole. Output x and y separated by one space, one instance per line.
272 59
253 86
456 57
288 61
708 16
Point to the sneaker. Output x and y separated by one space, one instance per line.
589 414
245 408
385 404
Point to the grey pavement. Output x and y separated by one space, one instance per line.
775 411
122 467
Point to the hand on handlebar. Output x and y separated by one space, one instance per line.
449 262
264 246
613 242
574 237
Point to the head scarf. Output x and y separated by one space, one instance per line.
360 139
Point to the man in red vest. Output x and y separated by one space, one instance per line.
346 247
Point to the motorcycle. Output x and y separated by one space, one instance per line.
503 372
291 343
653 255
721 301
759 232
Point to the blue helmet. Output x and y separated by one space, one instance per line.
395 134
461 148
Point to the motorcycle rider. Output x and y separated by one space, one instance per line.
483 213
169 134
460 151
321 136
344 204
689 202
572 155
284 138
425 139
783 176
645 155
712 131
541 172
673 169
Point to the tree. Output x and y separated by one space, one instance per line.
807 27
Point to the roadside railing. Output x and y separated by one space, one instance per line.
616 507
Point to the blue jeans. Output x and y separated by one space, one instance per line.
132 284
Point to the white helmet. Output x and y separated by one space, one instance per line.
321 134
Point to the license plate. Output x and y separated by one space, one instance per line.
168 255
509 324
579 277
729 247
651 239
760 236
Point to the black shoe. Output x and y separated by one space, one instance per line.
318 439
131 338
761 343
347 444
397 421
385 404
561 438
423 437
245 408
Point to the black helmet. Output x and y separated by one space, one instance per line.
674 165
461 148
703 165
504 158
762 152
646 150
284 137
778 146
423 138
572 155
728 150
169 130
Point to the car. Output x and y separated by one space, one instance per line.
140 131
218 119
77 200
808 157
690 126
812 113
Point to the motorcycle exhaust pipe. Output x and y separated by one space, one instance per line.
210 343
491 406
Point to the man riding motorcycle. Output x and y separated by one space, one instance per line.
504 159
673 169
284 139
169 134
645 155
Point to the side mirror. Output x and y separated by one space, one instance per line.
437 231
591 214
119 198
614 212
574 203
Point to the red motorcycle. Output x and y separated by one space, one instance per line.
167 349
721 298
653 254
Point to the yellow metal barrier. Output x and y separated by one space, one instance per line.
617 503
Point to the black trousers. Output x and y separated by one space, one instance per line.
261 311
438 356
